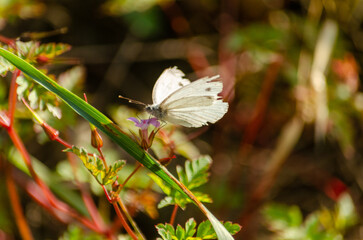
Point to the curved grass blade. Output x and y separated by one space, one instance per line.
103 123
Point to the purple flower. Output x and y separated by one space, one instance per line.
143 124
145 139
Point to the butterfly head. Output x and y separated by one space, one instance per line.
156 111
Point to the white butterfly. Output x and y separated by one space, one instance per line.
190 104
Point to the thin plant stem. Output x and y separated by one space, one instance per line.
85 195
103 158
173 215
48 194
123 221
37 194
129 217
16 206
12 96
128 178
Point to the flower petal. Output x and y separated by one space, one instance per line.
135 120
154 121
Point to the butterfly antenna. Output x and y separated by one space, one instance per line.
131 100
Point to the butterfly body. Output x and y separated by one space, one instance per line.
156 111
190 104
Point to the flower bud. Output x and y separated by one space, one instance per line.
51 132
96 139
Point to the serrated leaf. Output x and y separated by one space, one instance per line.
232 228
166 231
195 175
23 85
92 163
5 66
95 166
205 229
52 50
195 172
167 201
24 48
112 172
179 232
190 226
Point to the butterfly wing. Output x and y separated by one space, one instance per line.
168 82
195 104
198 116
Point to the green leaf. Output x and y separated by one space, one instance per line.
92 163
52 50
112 172
166 231
96 167
195 172
23 85
5 66
190 226
194 175
38 97
205 230
180 233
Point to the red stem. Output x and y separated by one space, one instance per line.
103 158
16 206
128 178
173 215
8 41
123 221
12 95
46 191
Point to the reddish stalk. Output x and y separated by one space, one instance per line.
37 194
139 165
123 221
53 134
12 95
8 41
16 206
173 215
21 148
103 158
131 220
46 191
